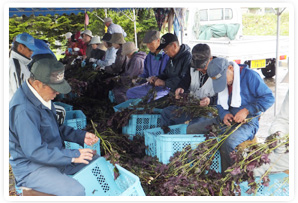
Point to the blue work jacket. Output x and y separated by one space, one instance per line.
256 96
35 138
154 65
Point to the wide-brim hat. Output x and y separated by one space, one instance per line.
87 32
95 40
128 48
117 38
26 40
217 71
51 72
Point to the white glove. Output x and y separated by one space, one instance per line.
76 49
102 68
92 60
79 57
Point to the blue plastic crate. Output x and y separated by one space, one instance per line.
111 96
72 145
67 107
130 103
163 146
278 186
75 119
138 123
98 180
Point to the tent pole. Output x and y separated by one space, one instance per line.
135 26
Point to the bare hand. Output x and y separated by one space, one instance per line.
86 154
159 82
84 57
228 119
90 139
241 115
178 92
152 79
205 101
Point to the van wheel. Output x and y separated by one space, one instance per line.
269 71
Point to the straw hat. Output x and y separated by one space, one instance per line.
117 38
102 47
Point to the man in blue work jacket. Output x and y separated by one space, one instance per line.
38 156
242 94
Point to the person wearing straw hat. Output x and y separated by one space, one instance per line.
110 55
114 28
242 94
96 53
121 61
38 156
19 60
154 65
132 70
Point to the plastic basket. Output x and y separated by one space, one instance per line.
98 180
67 107
75 119
72 145
138 123
130 103
278 186
163 146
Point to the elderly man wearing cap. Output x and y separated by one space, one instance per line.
38 158
20 57
121 61
132 70
154 65
200 86
114 28
177 67
110 55
242 94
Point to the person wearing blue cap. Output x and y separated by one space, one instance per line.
242 94
20 57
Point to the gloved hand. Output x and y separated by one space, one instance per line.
79 57
102 68
92 60
69 50
83 64
76 49
94 65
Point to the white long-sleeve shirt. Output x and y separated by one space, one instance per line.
109 58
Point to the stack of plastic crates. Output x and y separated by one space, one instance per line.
278 186
163 146
140 122
99 180
75 119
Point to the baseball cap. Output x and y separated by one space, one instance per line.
217 71
200 56
107 20
26 40
151 35
166 39
51 72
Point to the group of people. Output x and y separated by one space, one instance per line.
37 153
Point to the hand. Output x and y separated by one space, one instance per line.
178 92
86 154
241 115
90 139
134 81
152 79
159 82
84 57
83 64
228 119
205 101
94 65
76 49
92 60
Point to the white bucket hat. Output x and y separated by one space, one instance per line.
128 48
68 35
87 32
95 40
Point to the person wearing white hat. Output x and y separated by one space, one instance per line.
114 28
87 48
132 70
96 53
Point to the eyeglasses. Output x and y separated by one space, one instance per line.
166 49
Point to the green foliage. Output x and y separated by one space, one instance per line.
264 24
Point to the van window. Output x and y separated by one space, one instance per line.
216 14
228 14
204 15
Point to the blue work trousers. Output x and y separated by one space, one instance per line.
142 90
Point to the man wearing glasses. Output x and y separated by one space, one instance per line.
20 57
